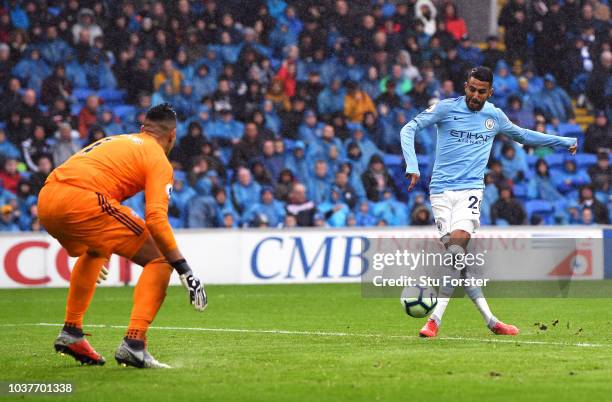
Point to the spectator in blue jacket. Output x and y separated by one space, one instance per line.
489 197
54 50
318 184
186 103
109 122
226 130
366 146
527 94
513 167
204 82
7 149
76 74
468 53
181 194
272 209
311 128
371 83
335 210
331 99
223 208
201 212
569 178
541 185
297 162
272 162
364 216
98 72
32 70
504 84
319 148
518 114
389 209
245 191
8 219
554 101
281 37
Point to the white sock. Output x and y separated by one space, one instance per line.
475 293
444 295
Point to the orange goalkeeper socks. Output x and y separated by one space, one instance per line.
82 286
149 295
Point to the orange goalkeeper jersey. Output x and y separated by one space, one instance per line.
121 166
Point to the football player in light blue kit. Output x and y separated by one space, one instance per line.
466 128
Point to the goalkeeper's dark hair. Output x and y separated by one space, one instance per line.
161 113
482 74
162 117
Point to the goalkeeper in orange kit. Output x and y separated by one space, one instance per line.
80 205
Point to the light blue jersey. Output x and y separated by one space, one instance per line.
464 143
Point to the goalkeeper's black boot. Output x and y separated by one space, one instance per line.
73 343
136 355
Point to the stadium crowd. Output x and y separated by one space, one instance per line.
290 111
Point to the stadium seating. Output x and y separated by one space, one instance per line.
544 209
585 160
117 83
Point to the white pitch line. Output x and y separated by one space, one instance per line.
338 334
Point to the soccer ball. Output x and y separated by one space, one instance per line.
418 301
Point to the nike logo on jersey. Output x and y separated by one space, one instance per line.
457 118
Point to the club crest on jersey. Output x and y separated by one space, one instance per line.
489 124
169 189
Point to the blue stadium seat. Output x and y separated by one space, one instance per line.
585 160
520 191
82 93
531 160
392 160
568 129
75 108
555 160
289 144
112 96
540 207
423 161
122 111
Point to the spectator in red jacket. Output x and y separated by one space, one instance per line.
287 74
88 115
10 176
454 24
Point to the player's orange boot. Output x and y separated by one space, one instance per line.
429 330
78 347
504 329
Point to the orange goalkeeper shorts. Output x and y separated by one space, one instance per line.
82 220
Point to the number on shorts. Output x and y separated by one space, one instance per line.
475 205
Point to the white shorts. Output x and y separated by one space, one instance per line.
456 210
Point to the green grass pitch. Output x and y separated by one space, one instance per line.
335 346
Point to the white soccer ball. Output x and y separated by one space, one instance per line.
417 301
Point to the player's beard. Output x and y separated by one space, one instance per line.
473 104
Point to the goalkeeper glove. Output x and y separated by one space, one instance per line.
197 293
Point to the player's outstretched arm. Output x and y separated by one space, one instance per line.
534 138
